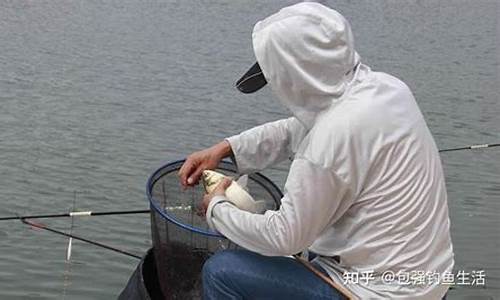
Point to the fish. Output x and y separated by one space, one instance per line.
236 193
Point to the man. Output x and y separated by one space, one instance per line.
365 191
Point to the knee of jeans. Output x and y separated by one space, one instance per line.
218 265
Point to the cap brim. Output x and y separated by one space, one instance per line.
252 81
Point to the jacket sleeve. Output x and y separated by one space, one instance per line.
264 145
312 197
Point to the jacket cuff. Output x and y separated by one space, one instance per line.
235 143
232 143
209 214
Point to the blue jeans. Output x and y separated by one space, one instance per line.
241 274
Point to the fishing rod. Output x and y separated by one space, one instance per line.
126 212
77 214
471 147
44 227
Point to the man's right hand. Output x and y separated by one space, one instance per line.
206 159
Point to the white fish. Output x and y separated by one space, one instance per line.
236 193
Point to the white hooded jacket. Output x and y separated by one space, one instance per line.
365 190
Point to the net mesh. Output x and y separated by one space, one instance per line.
182 240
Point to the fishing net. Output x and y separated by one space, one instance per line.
182 240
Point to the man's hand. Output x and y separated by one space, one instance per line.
199 161
220 190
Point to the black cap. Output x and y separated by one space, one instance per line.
252 81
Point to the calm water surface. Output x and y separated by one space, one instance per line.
97 94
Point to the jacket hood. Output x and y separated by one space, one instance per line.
306 53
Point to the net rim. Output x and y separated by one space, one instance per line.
223 165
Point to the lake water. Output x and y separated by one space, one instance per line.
95 95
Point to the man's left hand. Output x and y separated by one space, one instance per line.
220 190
